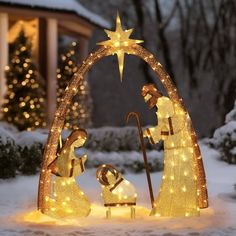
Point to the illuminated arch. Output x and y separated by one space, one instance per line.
71 90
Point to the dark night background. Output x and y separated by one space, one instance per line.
195 40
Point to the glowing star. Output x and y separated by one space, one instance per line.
119 43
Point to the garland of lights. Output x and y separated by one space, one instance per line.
115 45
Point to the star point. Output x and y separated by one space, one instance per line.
119 43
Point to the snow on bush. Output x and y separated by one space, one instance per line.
8 127
224 138
6 136
231 115
126 161
30 138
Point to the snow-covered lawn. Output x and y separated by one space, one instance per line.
18 204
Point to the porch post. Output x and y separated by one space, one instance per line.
51 72
3 54
83 48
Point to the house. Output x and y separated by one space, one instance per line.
43 21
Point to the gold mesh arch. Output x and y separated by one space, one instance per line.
71 90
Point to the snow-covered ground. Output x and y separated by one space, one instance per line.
18 204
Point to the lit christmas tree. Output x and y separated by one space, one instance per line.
79 114
24 102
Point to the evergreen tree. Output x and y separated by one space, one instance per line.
79 113
24 102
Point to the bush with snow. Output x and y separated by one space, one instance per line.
9 155
31 145
23 151
30 159
31 138
20 151
126 161
112 139
224 138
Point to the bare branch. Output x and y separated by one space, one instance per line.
203 15
170 17
163 41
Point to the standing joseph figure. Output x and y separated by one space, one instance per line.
178 194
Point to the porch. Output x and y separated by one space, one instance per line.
42 26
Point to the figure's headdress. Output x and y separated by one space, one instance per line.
150 94
76 134
102 172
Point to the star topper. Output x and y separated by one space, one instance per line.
119 43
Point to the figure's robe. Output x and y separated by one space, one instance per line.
122 193
68 200
178 194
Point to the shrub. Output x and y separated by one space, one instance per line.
23 151
224 138
111 139
31 159
131 161
9 155
31 151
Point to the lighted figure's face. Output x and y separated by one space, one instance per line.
111 178
150 100
79 142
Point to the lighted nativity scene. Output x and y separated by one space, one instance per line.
183 190
88 182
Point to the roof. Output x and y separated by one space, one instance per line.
72 6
